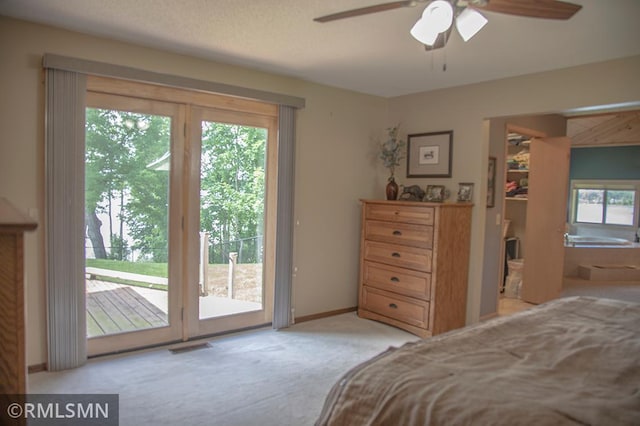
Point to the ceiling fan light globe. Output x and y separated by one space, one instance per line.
439 15
469 22
424 33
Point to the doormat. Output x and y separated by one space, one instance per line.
189 348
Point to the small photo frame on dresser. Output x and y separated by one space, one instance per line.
435 193
465 192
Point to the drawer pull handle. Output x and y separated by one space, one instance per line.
395 279
393 306
397 233
395 254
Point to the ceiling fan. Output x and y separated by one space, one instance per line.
435 25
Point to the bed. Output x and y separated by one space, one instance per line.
570 361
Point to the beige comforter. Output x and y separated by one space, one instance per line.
570 361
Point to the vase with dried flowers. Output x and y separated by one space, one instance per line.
391 152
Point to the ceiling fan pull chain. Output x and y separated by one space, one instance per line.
444 52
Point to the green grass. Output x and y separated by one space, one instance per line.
143 268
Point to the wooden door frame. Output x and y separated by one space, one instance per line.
531 133
182 159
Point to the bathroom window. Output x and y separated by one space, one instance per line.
605 203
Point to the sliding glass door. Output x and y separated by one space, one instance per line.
180 214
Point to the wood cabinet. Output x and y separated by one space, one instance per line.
12 356
414 262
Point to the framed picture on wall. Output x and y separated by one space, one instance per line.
429 154
491 183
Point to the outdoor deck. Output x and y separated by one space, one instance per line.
114 308
118 308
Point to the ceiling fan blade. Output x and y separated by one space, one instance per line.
546 9
366 10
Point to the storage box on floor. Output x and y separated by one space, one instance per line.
514 278
511 251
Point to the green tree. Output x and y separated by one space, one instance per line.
104 158
232 187
119 248
119 147
147 211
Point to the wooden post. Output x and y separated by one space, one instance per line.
233 259
204 263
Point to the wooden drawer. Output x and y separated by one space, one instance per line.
417 215
398 255
411 311
403 281
399 233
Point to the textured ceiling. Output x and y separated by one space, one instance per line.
371 54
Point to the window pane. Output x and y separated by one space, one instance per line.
232 194
620 206
590 205
127 161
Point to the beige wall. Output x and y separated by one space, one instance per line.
463 110
336 158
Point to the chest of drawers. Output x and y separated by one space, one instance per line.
414 262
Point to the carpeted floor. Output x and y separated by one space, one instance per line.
261 377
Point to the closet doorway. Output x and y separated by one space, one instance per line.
536 173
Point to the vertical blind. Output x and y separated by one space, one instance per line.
64 195
284 226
